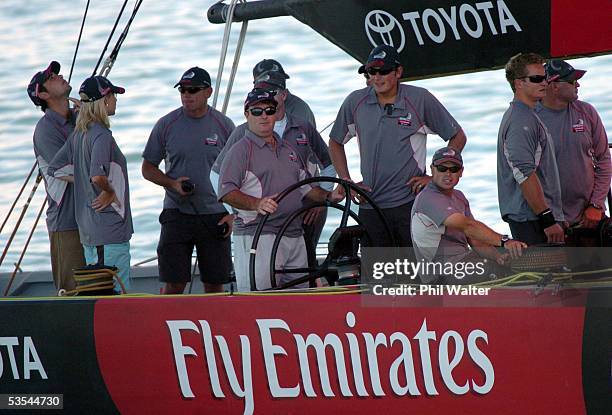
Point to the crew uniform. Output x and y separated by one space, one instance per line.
524 146
189 147
105 235
392 147
581 151
50 135
256 169
304 139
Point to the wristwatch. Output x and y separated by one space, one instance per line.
504 239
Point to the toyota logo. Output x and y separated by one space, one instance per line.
380 27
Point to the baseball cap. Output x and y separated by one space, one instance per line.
97 87
271 80
259 95
268 66
559 70
195 77
383 57
447 154
39 79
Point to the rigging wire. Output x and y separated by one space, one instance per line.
108 64
78 41
109 38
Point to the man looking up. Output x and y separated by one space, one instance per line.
392 121
49 91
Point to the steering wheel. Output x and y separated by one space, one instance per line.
320 270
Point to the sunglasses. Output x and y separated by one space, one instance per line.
569 82
257 112
383 72
535 79
190 91
453 169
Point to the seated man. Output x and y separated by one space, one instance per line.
254 171
443 228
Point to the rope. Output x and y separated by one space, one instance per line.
18 196
25 248
78 41
224 45
89 280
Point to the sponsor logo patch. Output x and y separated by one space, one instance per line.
302 140
405 121
579 126
293 156
211 141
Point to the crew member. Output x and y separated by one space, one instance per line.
101 188
189 140
528 184
443 227
49 91
581 145
255 170
392 121
268 69
303 137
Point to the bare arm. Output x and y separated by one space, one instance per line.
153 174
338 156
106 196
533 194
458 141
239 200
473 229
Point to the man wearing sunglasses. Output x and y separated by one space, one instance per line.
49 91
581 145
258 167
189 139
528 186
392 121
443 227
303 137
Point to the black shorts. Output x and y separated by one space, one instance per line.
179 234
398 219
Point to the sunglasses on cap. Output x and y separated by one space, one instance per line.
535 79
568 82
190 90
374 71
453 169
257 112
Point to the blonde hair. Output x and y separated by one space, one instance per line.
91 112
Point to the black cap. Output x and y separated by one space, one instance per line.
97 87
271 80
268 66
447 154
559 70
39 79
259 95
383 57
196 77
